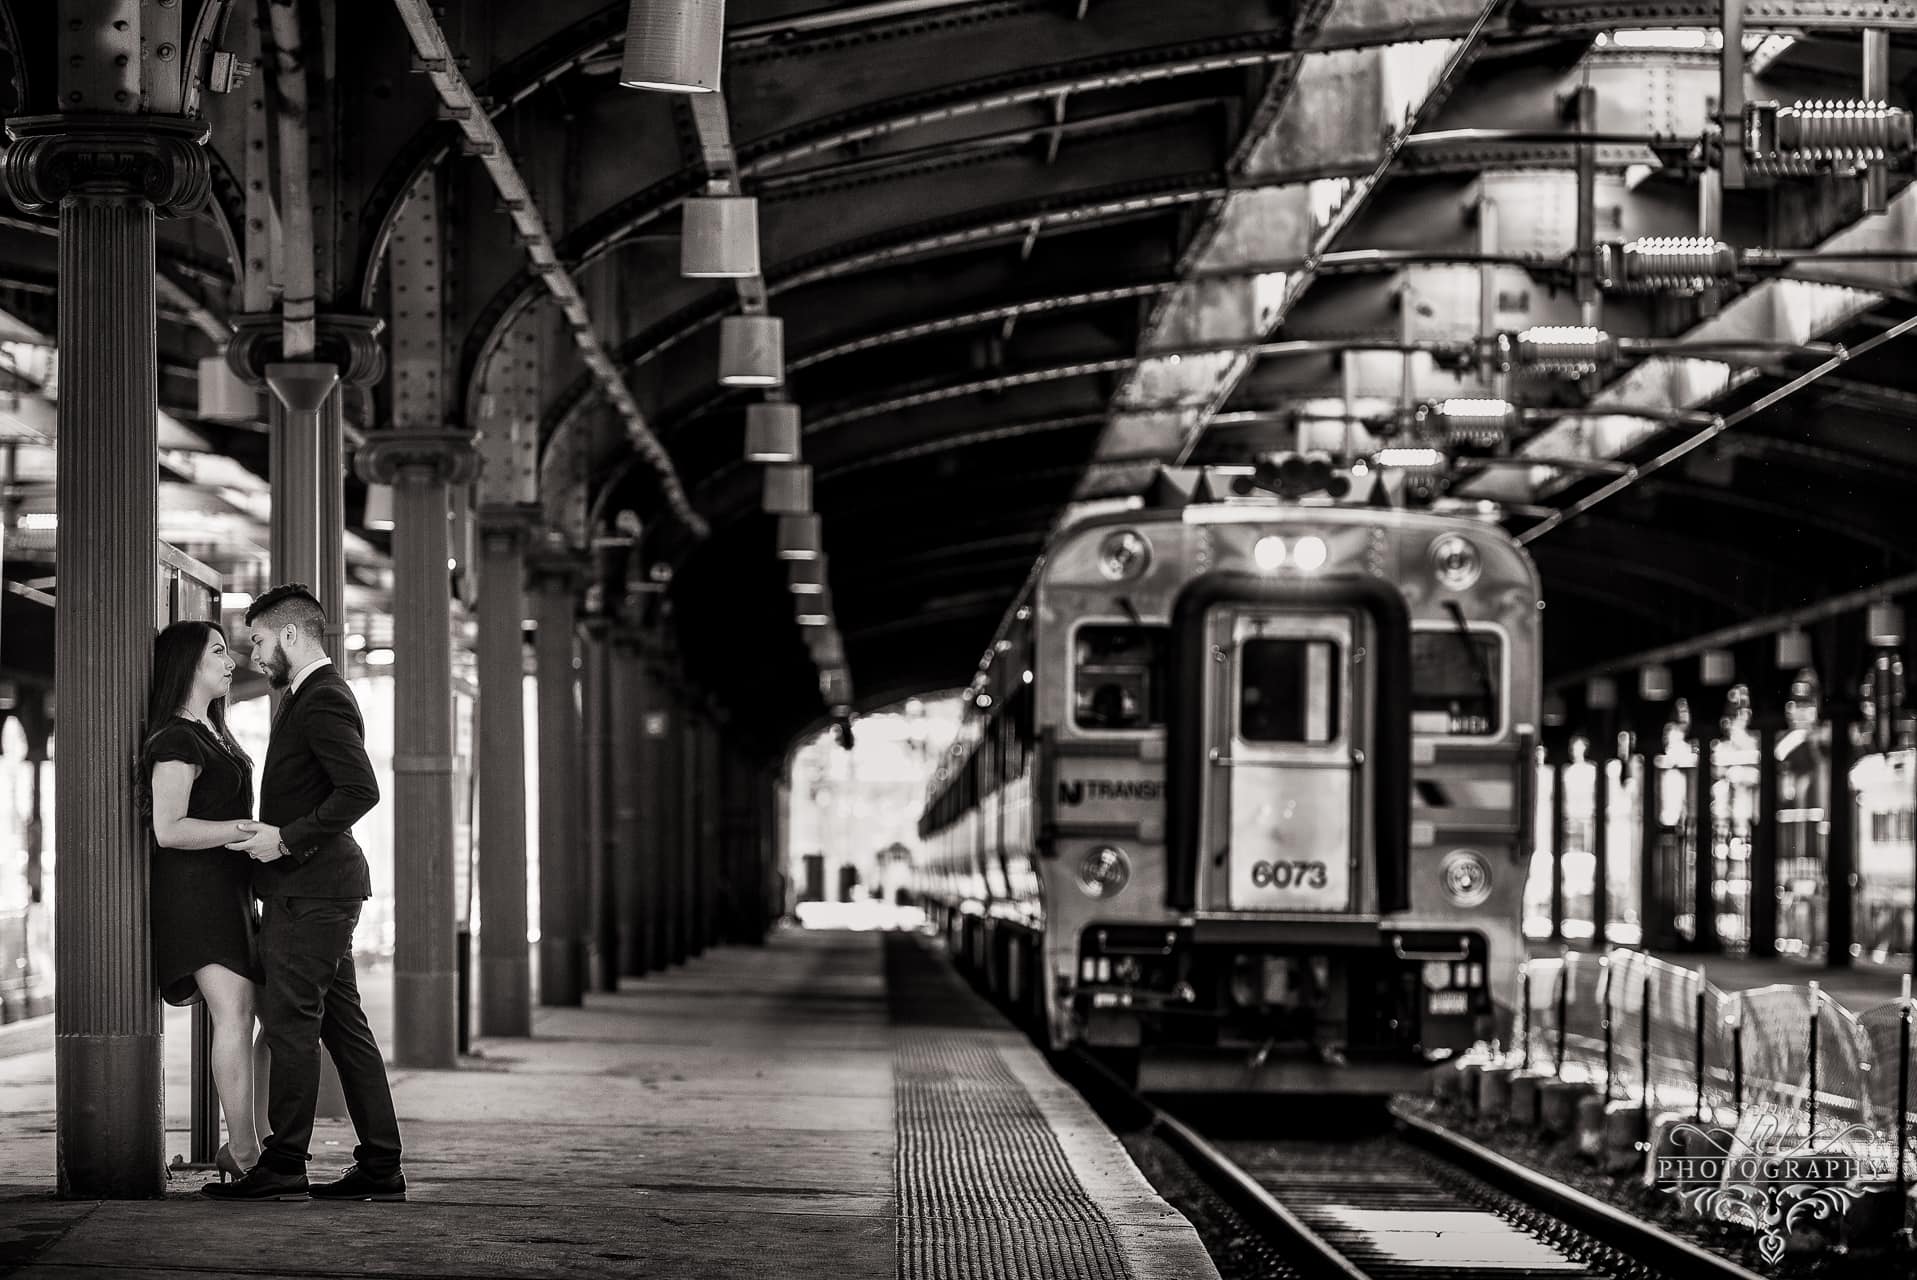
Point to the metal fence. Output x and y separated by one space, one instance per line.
1640 1029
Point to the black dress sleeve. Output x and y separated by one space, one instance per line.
178 741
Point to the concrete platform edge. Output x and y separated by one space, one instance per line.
1157 1239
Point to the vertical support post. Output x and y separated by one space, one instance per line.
1524 1002
107 1065
505 962
1610 1039
1644 1047
604 894
1584 112
626 745
692 830
1764 846
1903 1089
1816 1009
1704 860
563 883
1564 1007
1876 88
1730 95
1839 648
1557 850
1737 1055
1601 851
656 868
1702 1003
420 465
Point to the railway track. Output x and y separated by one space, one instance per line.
1410 1200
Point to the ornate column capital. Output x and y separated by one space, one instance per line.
106 155
448 457
513 524
350 343
552 562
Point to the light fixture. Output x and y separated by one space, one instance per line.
719 238
772 432
1884 625
829 649
355 642
1654 683
379 506
39 522
1600 693
1408 459
1716 668
751 351
1793 649
224 395
800 537
788 489
835 685
1123 555
379 657
1308 553
231 601
806 577
1455 562
1268 552
674 46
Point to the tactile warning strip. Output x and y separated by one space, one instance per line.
984 1190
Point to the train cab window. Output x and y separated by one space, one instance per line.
1454 684
1118 677
1288 691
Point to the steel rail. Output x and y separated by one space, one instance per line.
1717 428
1646 1243
437 58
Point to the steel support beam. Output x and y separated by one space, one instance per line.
564 885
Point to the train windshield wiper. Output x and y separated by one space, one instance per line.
1474 654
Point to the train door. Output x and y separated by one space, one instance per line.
1287 734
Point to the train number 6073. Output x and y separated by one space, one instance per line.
1287 875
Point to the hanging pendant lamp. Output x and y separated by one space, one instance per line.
674 46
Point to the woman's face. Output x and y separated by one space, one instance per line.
214 675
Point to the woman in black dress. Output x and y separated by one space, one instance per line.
203 915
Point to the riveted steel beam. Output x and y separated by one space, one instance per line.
477 127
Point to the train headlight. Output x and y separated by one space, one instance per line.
1104 871
1309 553
1466 877
1268 552
1124 555
1455 562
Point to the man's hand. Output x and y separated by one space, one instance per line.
262 846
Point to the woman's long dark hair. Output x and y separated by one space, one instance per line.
177 651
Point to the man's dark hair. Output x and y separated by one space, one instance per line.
290 604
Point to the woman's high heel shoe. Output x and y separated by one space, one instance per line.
228 1163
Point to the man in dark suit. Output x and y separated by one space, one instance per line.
311 879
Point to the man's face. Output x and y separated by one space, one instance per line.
269 657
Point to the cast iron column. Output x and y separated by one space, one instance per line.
420 464
626 753
1557 850
109 175
604 897
505 963
656 760
563 883
1704 854
1840 645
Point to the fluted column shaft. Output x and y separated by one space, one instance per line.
505 961
563 884
627 795
107 477
106 174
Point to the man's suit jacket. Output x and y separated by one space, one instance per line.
316 784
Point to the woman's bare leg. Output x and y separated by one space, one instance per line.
229 999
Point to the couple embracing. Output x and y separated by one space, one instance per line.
292 957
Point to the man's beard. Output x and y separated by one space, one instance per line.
279 671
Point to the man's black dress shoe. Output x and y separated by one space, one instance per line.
357 1184
260 1183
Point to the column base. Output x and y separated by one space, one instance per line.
426 1020
562 972
112 1122
505 995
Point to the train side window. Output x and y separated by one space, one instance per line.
1118 677
1454 686
1289 691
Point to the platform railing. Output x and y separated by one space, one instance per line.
1642 1030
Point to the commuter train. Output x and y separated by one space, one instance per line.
1243 794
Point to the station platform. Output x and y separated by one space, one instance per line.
1864 985
832 1103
